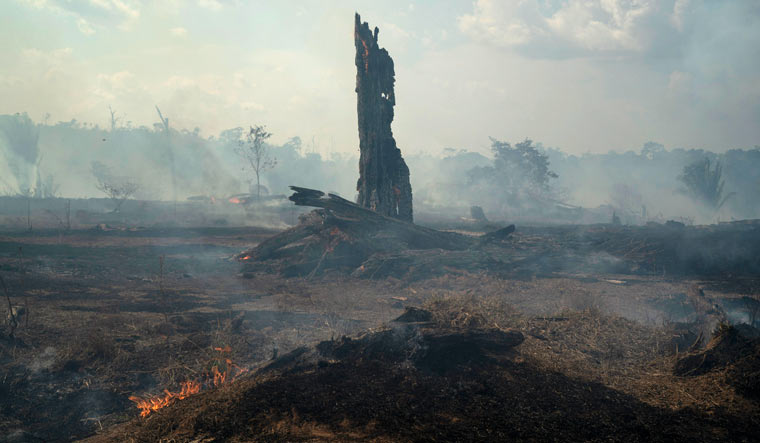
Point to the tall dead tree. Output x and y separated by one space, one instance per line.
170 154
383 175
115 119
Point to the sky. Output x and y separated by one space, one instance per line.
578 75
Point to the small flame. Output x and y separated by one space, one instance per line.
214 378
247 257
235 200
366 51
151 404
336 237
366 55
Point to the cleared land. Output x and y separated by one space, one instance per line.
106 321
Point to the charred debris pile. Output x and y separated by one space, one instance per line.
350 239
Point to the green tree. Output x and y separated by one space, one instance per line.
519 173
255 152
704 183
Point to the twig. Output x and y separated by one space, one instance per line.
29 213
316 268
161 292
14 322
26 297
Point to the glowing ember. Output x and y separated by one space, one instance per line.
366 56
247 257
366 51
336 237
235 200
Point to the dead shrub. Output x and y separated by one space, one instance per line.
579 301
465 311
97 348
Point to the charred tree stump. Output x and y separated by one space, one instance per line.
345 236
383 175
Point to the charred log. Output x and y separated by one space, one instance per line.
367 221
383 175
344 236
497 235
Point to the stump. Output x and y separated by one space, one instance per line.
383 175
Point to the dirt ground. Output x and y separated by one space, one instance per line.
114 314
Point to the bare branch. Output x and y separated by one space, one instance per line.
255 153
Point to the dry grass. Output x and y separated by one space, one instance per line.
472 311
100 311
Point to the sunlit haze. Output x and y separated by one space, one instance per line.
576 75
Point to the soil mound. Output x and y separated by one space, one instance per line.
728 346
413 341
415 381
734 349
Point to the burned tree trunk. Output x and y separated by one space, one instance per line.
345 236
383 175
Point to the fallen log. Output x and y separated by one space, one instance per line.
347 213
344 236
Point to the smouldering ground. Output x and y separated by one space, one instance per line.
107 321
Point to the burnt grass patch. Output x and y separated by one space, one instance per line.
398 385
326 360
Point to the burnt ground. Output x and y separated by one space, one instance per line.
107 321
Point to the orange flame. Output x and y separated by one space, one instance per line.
366 55
247 257
213 378
151 404
366 51
235 200
336 237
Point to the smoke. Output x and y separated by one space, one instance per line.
20 138
639 187
44 361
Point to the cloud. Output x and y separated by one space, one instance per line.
395 36
85 27
578 27
503 23
92 15
592 75
50 57
213 5
679 83
680 9
116 85
605 25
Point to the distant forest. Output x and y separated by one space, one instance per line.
519 179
